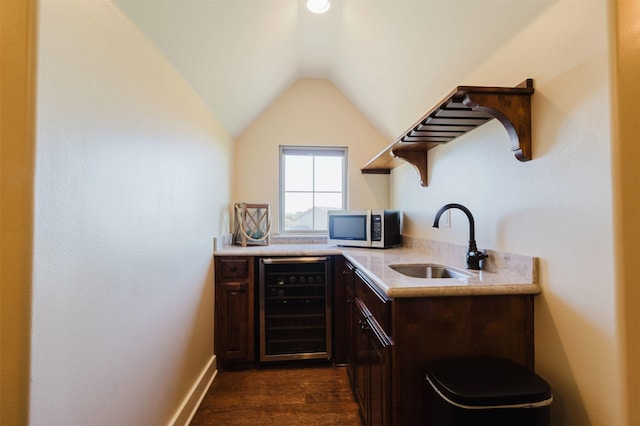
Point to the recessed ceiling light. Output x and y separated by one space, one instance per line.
318 6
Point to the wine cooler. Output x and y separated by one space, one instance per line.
295 317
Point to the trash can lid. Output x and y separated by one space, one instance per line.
487 382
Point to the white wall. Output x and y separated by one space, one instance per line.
132 182
311 112
557 207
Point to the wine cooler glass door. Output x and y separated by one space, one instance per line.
295 318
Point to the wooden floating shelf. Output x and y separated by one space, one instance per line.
464 109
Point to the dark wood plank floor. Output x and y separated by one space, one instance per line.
306 396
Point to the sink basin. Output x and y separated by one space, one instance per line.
429 270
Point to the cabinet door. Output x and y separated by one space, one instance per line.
360 361
234 322
372 366
351 331
343 314
233 328
379 351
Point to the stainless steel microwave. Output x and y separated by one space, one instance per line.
365 228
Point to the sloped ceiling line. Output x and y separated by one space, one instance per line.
391 58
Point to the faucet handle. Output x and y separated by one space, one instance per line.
474 259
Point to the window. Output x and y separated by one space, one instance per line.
312 181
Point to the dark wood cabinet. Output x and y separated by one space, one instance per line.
234 325
360 361
343 297
394 339
369 353
372 367
385 343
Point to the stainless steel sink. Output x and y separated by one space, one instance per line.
429 270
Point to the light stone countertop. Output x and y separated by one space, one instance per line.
506 273
375 265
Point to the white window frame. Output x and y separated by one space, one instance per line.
310 150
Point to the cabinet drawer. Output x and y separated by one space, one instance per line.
378 304
234 267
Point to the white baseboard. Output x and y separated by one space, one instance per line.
196 394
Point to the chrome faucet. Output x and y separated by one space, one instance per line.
474 257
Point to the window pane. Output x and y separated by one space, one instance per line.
328 200
320 217
298 173
298 209
324 202
328 174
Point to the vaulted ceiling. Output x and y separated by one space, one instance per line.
392 58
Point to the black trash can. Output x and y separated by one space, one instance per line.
483 390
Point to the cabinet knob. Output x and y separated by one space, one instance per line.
233 268
363 325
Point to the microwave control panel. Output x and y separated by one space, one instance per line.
376 227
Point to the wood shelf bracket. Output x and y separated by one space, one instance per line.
513 111
418 159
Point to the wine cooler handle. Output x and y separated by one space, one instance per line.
275 260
